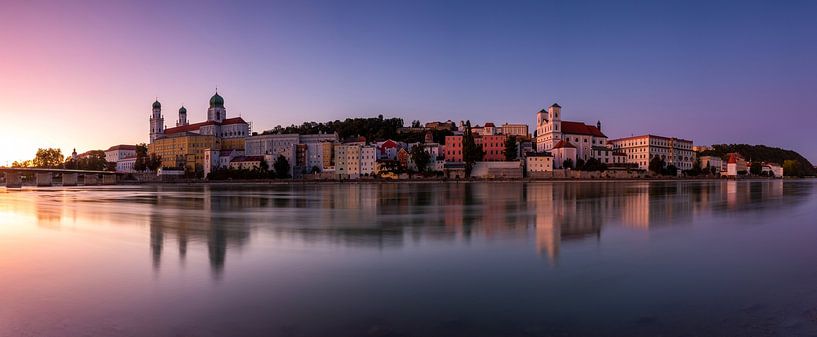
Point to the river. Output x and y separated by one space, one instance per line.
676 258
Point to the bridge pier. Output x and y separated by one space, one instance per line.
108 179
91 179
14 180
69 179
44 179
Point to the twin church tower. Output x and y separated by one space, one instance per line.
217 123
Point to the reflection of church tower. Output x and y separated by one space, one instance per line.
216 112
157 237
182 117
157 122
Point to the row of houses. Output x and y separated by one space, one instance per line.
555 144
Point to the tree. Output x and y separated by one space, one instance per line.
791 168
761 153
154 162
93 160
594 164
471 153
657 165
580 164
568 163
420 157
21 164
48 158
281 166
671 170
415 124
756 169
141 157
511 148
316 169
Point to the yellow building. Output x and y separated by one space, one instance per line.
183 150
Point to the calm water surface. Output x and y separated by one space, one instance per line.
482 259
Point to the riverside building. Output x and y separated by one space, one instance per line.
588 140
641 149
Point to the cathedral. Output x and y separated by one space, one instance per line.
217 123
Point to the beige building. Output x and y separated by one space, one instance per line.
519 130
539 162
712 161
641 149
183 150
354 160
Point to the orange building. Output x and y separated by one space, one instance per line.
453 149
493 147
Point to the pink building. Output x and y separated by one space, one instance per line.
493 147
453 149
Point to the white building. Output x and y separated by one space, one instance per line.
641 149
562 151
215 159
551 129
118 152
273 145
368 160
126 164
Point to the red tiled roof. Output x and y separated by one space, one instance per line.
234 120
563 143
733 158
576 128
122 147
388 144
489 125
189 127
196 126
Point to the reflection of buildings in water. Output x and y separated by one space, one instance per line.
563 212
200 215
386 215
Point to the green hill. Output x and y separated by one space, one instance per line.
761 153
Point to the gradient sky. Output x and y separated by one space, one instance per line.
84 73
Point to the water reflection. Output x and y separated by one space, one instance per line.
464 259
387 216
391 215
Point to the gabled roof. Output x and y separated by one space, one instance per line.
577 128
122 147
563 144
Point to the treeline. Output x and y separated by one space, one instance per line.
373 128
765 154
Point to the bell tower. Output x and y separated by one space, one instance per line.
182 117
157 122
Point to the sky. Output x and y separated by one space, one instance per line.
83 74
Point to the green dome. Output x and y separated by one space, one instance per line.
216 101
157 105
182 110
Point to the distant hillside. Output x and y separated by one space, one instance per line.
761 153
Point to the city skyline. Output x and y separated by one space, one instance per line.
714 73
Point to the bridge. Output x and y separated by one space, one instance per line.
45 176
